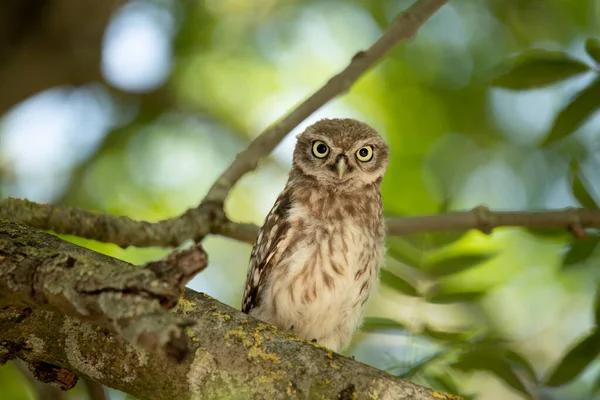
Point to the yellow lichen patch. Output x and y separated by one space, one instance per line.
335 365
192 335
224 317
269 378
244 322
330 354
267 327
252 341
374 395
290 390
185 306
240 334
256 352
444 396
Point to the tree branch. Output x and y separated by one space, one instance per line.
485 220
125 231
40 270
230 353
404 27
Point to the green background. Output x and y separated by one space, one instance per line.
492 103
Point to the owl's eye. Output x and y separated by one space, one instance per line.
365 154
320 149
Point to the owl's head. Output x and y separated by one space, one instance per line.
341 152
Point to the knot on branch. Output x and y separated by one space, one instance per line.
484 218
576 226
349 393
53 375
209 217
176 270
7 352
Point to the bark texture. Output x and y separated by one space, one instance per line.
229 355
40 270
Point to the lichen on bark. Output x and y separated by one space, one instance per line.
228 355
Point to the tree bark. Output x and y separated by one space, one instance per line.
229 355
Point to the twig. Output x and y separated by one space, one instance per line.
404 27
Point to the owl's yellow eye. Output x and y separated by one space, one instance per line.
320 149
365 154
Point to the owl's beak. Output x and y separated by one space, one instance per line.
341 167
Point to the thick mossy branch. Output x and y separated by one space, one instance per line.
57 298
40 270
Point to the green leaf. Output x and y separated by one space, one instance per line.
580 251
548 233
377 323
440 239
449 298
519 362
394 281
592 47
491 359
538 68
596 386
576 360
423 363
443 382
403 251
455 264
572 116
581 189
454 337
597 305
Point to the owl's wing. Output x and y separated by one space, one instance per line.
266 251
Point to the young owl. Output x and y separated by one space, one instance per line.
316 259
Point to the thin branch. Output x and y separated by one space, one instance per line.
125 231
404 27
485 220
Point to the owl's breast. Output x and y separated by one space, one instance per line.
324 277
334 260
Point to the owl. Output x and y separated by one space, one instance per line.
317 257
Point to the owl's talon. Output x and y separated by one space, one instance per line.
314 341
292 328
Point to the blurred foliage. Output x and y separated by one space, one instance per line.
492 103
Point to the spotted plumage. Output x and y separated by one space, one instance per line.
316 259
